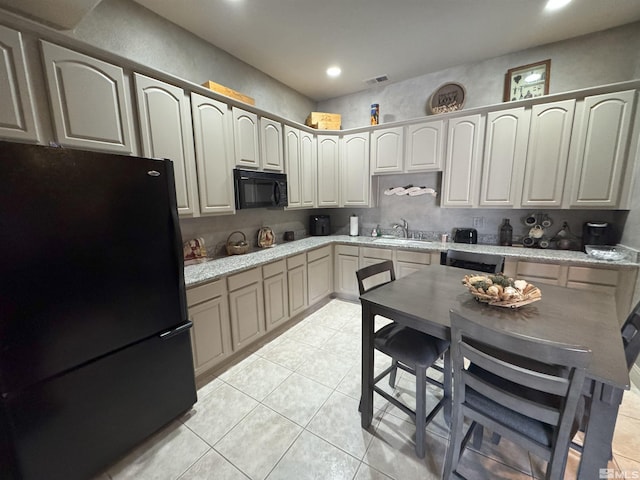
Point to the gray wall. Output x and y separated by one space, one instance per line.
598 59
125 28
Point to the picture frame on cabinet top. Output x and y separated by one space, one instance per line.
527 81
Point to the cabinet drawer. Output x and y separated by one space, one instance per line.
274 268
413 257
243 279
319 253
541 270
347 250
597 276
205 292
296 261
379 253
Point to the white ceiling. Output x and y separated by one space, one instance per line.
295 41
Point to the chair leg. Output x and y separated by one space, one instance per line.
454 448
478 433
394 371
421 410
447 381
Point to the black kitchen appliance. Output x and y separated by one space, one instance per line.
465 235
319 225
95 351
259 189
597 233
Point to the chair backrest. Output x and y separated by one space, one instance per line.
481 262
540 380
631 336
375 275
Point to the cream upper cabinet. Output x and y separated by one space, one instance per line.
17 115
293 165
89 101
271 145
308 169
328 170
165 130
424 146
300 160
464 152
355 180
387 150
547 154
598 149
213 139
245 135
505 152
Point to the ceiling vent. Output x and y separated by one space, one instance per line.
377 80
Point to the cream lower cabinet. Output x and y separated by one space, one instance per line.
347 261
211 332
297 278
617 281
17 113
408 262
319 274
246 306
371 255
276 293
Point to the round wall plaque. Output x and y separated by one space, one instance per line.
447 98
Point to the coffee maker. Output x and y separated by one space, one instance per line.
597 233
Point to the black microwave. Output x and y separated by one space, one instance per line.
259 189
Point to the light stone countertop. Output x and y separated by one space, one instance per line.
220 267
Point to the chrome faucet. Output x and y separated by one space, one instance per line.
404 227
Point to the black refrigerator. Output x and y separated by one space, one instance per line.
95 350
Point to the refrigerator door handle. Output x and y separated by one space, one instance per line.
176 331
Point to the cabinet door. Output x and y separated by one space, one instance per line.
212 133
425 147
346 282
599 150
211 335
245 135
297 278
319 273
386 150
505 151
294 170
328 171
166 132
464 150
354 178
276 302
17 115
547 154
271 144
247 314
309 169
89 101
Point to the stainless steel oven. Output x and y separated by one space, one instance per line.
259 189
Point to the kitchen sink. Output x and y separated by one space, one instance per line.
395 240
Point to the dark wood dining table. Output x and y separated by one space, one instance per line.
423 300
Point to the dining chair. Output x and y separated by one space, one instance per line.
410 350
529 391
481 262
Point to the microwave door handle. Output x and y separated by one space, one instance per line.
276 193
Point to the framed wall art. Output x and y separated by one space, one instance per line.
527 81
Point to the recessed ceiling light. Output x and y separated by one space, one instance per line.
556 4
334 71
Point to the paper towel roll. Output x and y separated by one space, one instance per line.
353 225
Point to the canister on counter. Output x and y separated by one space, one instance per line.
375 113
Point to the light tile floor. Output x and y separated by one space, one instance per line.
289 411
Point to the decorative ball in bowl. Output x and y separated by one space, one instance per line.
501 290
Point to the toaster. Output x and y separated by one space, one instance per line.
465 235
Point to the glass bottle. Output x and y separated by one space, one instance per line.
506 233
